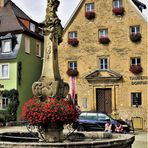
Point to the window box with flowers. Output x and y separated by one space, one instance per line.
136 69
135 37
90 15
104 40
72 72
73 42
118 10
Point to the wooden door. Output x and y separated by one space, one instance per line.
103 100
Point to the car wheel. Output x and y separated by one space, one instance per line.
81 128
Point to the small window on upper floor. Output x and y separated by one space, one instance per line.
32 27
72 64
136 61
6 46
136 99
72 35
27 44
103 33
4 71
117 3
135 29
103 63
38 49
89 7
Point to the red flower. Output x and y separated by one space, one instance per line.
135 37
51 111
90 14
73 41
118 11
136 69
104 40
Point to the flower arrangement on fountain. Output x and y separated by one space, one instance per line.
52 113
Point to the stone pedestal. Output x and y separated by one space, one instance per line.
54 135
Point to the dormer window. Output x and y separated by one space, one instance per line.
6 46
32 27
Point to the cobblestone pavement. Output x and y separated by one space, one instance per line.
141 140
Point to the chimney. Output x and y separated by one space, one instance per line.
2 3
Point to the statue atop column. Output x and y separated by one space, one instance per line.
50 83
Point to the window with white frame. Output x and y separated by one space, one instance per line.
135 29
27 44
103 63
136 61
117 3
4 71
72 35
32 27
89 7
5 102
6 46
136 98
72 64
103 33
38 49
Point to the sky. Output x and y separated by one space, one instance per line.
36 9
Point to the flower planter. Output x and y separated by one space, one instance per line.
135 37
73 42
118 11
90 15
72 72
104 40
136 69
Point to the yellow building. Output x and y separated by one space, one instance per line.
104 58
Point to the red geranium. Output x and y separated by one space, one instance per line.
73 41
51 111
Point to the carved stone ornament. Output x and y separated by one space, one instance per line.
50 84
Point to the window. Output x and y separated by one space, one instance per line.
89 7
117 3
32 27
136 99
72 64
38 49
135 61
72 35
4 71
102 117
103 63
5 102
6 46
27 45
84 102
135 29
103 33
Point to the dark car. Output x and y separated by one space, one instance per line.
91 121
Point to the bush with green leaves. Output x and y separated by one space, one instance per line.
10 112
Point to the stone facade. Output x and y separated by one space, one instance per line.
92 81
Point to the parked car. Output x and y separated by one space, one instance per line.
92 121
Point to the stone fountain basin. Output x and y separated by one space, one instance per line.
91 140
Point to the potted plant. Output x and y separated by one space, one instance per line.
72 72
118 10
90 15
135 37
104 40
136 69
50 115
73 41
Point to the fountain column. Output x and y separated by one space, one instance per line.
50 83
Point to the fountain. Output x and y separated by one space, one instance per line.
50 87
